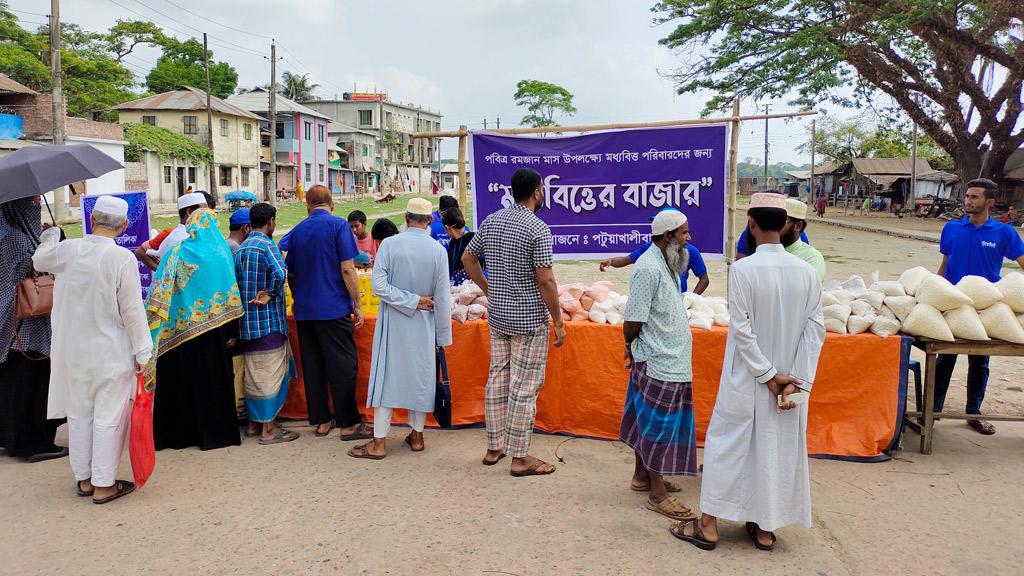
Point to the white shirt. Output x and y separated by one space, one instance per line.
175 237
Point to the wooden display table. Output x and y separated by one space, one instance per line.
932 349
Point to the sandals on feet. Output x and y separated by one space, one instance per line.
281 436
670 487
697 538
363 432
83 493
982 427
319 434
124 488
539 468
487 462
671 508
752 529
408 440
363 451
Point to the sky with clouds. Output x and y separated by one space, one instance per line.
462 57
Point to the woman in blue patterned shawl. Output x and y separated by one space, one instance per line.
192 306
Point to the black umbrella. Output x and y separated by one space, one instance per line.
35 170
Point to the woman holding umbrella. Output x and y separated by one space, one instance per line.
24 344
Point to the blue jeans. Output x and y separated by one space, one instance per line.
977 380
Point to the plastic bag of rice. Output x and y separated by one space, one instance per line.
889 288
1020 318
1011 287
884 326
965 323
873 297
927 322
938 293
911 279
843 296
901 306
859 324
721 319
827 299
597 316
855 285
614 318
980 290
1001 324
887 312
702 322
840 312
689 298
834 325
862 308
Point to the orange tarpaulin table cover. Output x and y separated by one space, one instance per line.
855 410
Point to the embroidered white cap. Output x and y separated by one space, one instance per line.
191 199
666 221
111 205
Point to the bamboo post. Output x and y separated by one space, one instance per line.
733 184
462 166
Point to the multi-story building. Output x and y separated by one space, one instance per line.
301 139
405 162
362 155
236 133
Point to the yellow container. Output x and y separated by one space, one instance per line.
370 301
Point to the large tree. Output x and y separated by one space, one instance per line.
296 87
182 65
542 100
925 56
842 140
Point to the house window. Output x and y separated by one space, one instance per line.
320 132
410 153
366 150
245 175
225 175
167 174
309 172
279 129
366 117
151 120
192 174
247 132
224 127
190 125
320 173
307 130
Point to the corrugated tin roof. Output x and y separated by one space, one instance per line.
258 100
13 87
890 166
339 128
185 98
938 176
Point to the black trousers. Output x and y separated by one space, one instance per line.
329 360
24 385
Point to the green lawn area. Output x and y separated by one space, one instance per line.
292 213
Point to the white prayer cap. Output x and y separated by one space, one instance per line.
192 199
768 200
419 206
667 221
111 205
796 209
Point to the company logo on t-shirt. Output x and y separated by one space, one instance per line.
988 244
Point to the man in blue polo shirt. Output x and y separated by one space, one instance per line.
743 249
974 246
327 309
437 231
696 265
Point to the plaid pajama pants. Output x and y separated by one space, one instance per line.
514 381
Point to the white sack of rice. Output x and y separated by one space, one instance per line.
982 292
862 308
702 322
855 285
873 297
835 326
927 322
840 312
889 288
885 326
887 312
843 296
901 306
938 293
721 319
827 299
1011 287
965 323
912 278
598 316
1001 324
859 324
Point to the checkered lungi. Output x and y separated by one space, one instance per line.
657 423
514 381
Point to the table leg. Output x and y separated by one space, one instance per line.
928 410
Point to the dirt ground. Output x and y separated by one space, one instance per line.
307 508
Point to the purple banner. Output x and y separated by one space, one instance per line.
137 231
602 189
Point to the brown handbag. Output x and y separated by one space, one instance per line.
34 298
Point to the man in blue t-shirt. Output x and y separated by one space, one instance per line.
437 231
742 248
324 282
696 265
974 246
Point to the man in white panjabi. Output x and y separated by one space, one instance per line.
410 276
755 450
100 341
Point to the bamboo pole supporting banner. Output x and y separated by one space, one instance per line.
462 166
733 185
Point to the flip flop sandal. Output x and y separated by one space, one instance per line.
671 508
83 493
982 427
361 451
534 470
366 434
670 487
752 532
487 462
124 488
697 538
408 440
281 437
320 434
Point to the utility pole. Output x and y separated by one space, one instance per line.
273 124
913 170
766 108
209 119
485 122
57 97
814 139
499 122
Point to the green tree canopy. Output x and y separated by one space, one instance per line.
542 100
926 56
863 137
296 87
164 143
182 65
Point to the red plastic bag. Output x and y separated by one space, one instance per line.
140 440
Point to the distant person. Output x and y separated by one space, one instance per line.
696 264
796 223
1012 217
522 299
364 241
975 245
154 249
437 231
101 340
455 227
382 229
327 309
411 280
238 229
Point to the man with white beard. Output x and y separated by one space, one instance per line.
657 421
